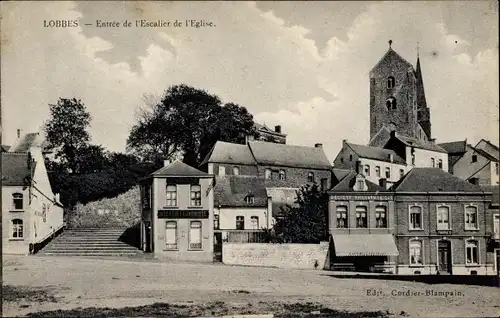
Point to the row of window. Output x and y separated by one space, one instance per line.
439 164
443 217
361 217
240 222
367 171
471 252
171 195
171 235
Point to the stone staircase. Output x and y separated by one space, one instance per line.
93 242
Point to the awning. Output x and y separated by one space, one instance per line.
365 245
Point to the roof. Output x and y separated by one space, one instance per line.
178 168
493 151
421 101
376 153
392 53
267 129
485 154
275 154
339 174
15 169
281 197
365 245
422 144
495 191
5 148
433 180
226 152
231 191
27 141
454 147
347 183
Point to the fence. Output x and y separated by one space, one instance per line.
245 236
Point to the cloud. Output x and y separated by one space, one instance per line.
253 57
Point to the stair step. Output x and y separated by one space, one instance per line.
94 250
66 243
90 254
90 247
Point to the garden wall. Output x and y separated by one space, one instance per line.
300 256
120 211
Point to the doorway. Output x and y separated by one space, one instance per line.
218 247
147 226
444 258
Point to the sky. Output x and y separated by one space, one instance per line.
301 65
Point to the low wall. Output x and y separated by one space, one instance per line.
301 256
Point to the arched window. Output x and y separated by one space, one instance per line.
443 218
282 175
171 235
195 235
17 228
377 171
391 82
472 255
471 217
415 218
416 252
391 103
17 201
310 177
240 222
254 222
236 171
250 199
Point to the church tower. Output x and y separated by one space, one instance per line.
397 99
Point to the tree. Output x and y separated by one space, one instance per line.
187 121
306 222
66 130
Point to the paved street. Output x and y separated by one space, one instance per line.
78 282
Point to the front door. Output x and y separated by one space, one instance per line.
444 257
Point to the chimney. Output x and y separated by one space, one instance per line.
391 158
18 133
433 140
358 166
57 197
383 183
166 162
318 145
277 129
393 133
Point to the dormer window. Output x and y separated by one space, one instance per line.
391 82
360 184
391 103
250 199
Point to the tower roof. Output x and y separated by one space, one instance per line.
391 54
421 101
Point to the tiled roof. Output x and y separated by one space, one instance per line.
340 174
376 153
231 191
485 154
178 168
347 183
226 152
495 191
433 180
417 143
27 141
15 169
281 197
496 149
275 154
454 146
